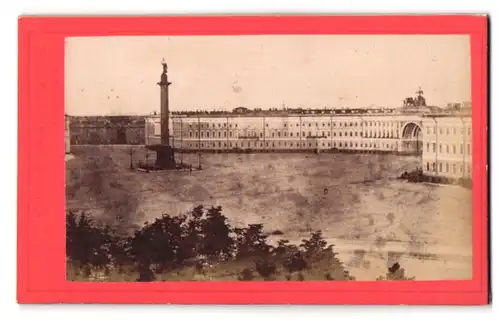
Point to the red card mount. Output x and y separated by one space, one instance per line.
41 201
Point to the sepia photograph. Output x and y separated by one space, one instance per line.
268 158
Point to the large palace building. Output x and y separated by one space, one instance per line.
442 136
280 131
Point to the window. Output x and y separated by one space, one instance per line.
440 167
461 149
434 147
468 149
428 166
454 149
428 149
447 151
454 168
447 167
434 166
190 134
440 148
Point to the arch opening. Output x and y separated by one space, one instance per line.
411 137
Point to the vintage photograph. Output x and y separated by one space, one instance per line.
268 158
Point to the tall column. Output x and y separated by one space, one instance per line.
165 112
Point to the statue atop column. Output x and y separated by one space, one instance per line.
164 76
164 64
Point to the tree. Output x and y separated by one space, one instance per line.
87 245
217 241
251 241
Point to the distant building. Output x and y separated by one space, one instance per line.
240 110
67 137
96 130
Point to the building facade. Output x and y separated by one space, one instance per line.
101 130
443 139
382 130
447 148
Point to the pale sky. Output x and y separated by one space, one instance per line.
118 75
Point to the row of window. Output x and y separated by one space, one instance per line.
448 131
309 124
448 148
446 168
285 144
223 134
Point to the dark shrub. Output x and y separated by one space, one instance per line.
265 268
246 275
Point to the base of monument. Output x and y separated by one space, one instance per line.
165 159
